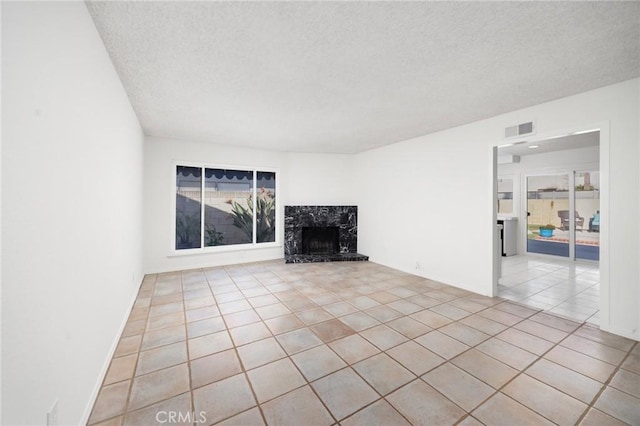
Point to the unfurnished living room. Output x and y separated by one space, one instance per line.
296 213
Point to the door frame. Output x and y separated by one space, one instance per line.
605 188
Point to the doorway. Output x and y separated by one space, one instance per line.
555 201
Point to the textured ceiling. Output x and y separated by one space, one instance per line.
349 76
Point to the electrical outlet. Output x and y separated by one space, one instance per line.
52 415
417 265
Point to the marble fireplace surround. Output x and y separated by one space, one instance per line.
345 218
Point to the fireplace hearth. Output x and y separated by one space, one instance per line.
321 234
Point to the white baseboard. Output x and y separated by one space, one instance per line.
107 362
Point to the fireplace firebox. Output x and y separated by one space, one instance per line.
320 240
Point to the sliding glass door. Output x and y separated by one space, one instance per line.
587 207
547 208
563 215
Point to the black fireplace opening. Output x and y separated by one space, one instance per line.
320 240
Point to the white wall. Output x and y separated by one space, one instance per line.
437 190
319 179
72 208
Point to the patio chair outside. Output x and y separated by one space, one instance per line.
564 220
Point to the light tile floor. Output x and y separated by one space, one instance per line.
556 285
356 343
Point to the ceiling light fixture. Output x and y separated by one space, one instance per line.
533 146
505 145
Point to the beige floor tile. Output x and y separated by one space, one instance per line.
209 344
450 311
555 322
162 357
121 369
353 348
405 306
568 381
415 357
199 302
540 330
202 313
263 300
318 362
359 321
233 307
383 297
627 381
154 339
442 344
383 373
314 316
128 345
298 340
525 341
159 413
214 367
344 393
379 413
431 319
502 410
284 324
169 298
583 364
620 405
111 402
300 304
275 379
485 325
500 316
115 421
159 385
507 353
241 318
409 327
383 313
364 302
134 327
272 311
459 386
516 309
331 330
260 353
598 418
470 421
383 337
632 363
300 407
594 349
426 301
164 321
465 334
545 400
167 308
227 294
340 309
422 405
485 368
250 417
205 326
597 335
249 333
223 399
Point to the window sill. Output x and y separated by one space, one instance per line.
223 249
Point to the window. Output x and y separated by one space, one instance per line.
216 206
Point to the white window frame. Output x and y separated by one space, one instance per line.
231 247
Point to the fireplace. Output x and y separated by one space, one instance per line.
320 240
321 234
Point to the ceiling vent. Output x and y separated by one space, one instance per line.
520 130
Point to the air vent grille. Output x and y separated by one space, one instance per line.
519 130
